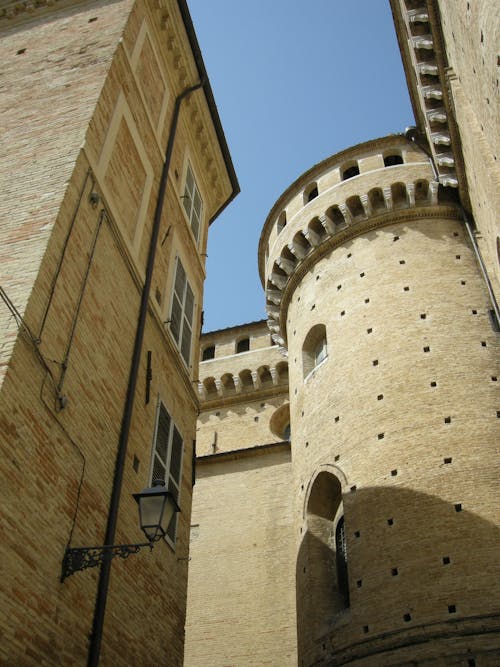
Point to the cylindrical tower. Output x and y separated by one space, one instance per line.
373 287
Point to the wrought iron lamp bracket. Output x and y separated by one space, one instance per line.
81 558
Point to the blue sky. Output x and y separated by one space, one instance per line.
294 83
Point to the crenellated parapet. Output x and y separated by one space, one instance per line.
214 387
240 364
369 186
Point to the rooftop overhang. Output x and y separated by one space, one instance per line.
428 74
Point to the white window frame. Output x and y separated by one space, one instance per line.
179 300
190 199
163 459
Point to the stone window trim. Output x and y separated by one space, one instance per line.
314 349
192 202
182 312
167 460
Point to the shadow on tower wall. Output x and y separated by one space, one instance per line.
421 572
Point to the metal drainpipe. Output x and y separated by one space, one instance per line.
411 134
479 258
102 590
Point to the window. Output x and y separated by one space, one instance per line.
182 312
341 560
320 352
310 193
281 224
192 203
314 349
243 345
167 460
350 172
392 160
208 353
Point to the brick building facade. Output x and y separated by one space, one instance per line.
371 538
99 336
347 449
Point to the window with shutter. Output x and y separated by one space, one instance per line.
193 204
167 460
182 312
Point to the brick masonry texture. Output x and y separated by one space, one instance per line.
80 97
394 432
401 417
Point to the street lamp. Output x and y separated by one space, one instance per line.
157 506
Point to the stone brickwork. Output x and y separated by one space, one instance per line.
450 55
242 569
386 436
471 34
87 103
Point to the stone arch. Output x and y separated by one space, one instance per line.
282 369
242 345
392 158
310 192
421 191
355 206
377 201
264 375
399 195
210 387
300 240
208 352
322 583
246 379
349 170
227 382
335 215
317 228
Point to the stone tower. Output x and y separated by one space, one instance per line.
373 286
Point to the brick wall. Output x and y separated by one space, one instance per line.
80 110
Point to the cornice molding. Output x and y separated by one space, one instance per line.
428 76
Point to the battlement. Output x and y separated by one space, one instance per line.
369 186
240 360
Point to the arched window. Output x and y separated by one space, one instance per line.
243 345
314 349
310 193
281 224
322 581
392 160
350 172
341 560
208 353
